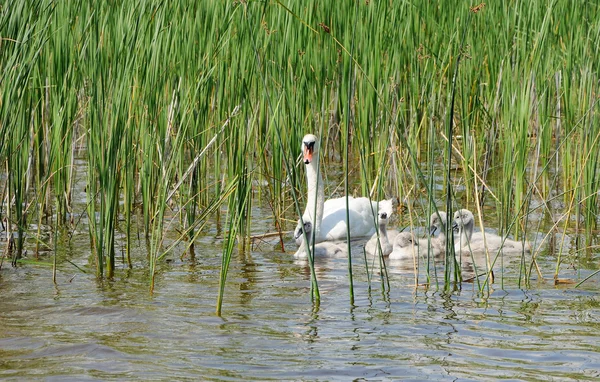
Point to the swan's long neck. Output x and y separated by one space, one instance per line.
383 231
442 237
383 236
466 232
315 197
440 240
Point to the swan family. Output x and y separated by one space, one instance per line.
329 217
323 225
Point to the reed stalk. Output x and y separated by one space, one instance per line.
505 90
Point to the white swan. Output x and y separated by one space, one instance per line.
326 248
466 240
405 246
372 247
329 217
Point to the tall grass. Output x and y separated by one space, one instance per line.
145 87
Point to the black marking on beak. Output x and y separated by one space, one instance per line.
310 148
300 230
432 230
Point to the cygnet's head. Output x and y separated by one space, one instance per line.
384 212
306 228
463 219
310 146
437 223
405 240
383 219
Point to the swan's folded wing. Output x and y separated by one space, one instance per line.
333 226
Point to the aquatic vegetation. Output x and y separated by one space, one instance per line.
176 111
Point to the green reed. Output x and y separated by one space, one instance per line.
239 205
145 88
288 166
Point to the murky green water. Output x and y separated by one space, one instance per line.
83 329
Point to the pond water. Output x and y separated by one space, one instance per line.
84 329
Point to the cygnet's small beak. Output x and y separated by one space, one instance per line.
455 226
432 230
298 233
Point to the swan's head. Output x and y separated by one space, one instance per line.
300 230
463 219
437 222
405 240
310 146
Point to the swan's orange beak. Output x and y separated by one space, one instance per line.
308 152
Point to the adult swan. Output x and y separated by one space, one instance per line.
329 217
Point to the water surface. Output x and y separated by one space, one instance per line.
84 329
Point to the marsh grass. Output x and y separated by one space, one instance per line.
499 105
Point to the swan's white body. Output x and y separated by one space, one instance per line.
467 241
324 249
362 222
405 246
372 247
329 217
